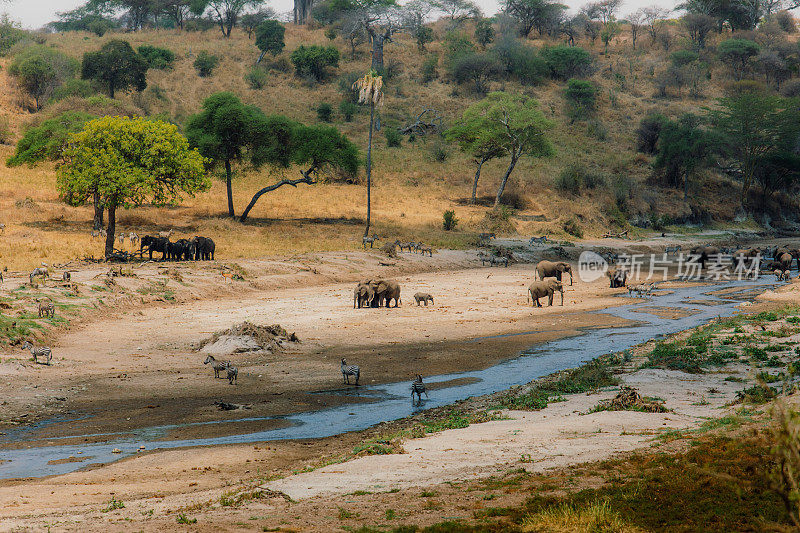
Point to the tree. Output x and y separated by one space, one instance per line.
423 35
531 14
41 70
251 21
654 19
580 96
566 62
648 133
314 60
226 131
683 149
458 11
737 53
610 30
269 38
483 149
635 21
698 26
175 10
128 162
478 69
225 12
313 148
116 66
754 125
514 123
484 32
370 92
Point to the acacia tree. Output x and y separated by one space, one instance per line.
117 66
683 150
227 131
482 148
514 123
129 162
225 12
269 38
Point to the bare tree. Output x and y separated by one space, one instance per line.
381 23
654 18
225 12
698 26
636 21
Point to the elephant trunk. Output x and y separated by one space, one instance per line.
562 296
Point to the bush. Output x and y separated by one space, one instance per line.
73 87
595 128
393 136
423 36
449 220
566 62
478 70
439 153
5 130
157 58
456 45
581 96
256 78
791 89
347 109
324 112
10 33
100 26
575 177
41 70
785 21
346 82
648 132
683 57
428 71
484 32
205 64
521 62
314 60
270 37
47 140
572 227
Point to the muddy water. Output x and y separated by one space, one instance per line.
691 306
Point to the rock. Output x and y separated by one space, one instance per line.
230 344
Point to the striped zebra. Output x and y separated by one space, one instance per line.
134 238
218 366
47 309
41 271
44 352
418 387
350 370
233 374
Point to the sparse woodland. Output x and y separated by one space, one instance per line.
639 115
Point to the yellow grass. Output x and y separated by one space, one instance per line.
596 517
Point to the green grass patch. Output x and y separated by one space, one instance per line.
757 394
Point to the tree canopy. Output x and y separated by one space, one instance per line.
128 162
269 37
117 66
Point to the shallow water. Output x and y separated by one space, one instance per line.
392 401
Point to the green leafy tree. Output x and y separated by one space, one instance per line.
483 148
225 13
116 66
41 71
514 123
754 125
737 54
128 162
484 32
566 62
423 35
47 141
581 96
611 29
530 14
684 149
157 58
314 60
478 69
205 64
270 38
226 131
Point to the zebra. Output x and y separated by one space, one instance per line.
369 240
418 387
2 228
44 351
672 249
121 238
40 271
66 276
233 374
425 250
134 238
218 366
47 309
499 261
165 234
350 370
537 240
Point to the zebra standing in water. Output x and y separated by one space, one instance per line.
350 370
418 387
44 351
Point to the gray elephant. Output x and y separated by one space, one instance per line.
423 297
785 260
617 276
363 295
551 269
705 253
546 287
385 291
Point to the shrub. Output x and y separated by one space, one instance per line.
330 33
256 78
791 89
456 45
10 33
423 36
324 112
205 64
581 96
428 71
648 132
270 37
5 130
100 26
484 32
393 136
449 220
785 21
157 58
347 109
595 128
737 53
48 139
575 177
477 69
346 82
439 153
314 60
680 58
572 227
73 87
521 62
41 70
566 62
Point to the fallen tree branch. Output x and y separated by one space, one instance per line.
294 183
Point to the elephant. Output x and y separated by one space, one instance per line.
423 297
155 244
546 287
204 248
387 290
363 295
618 277
704 253
549 269
785 260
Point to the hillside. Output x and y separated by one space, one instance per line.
412 186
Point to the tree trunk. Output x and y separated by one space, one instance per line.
369 167
378 39
305 179
229 187
502 188
480 163
112 227
302 9
98 212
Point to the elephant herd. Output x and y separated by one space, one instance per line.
376 293
198 248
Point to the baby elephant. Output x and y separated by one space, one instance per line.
546 287
423 297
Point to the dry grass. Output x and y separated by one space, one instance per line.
595 517
411 189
